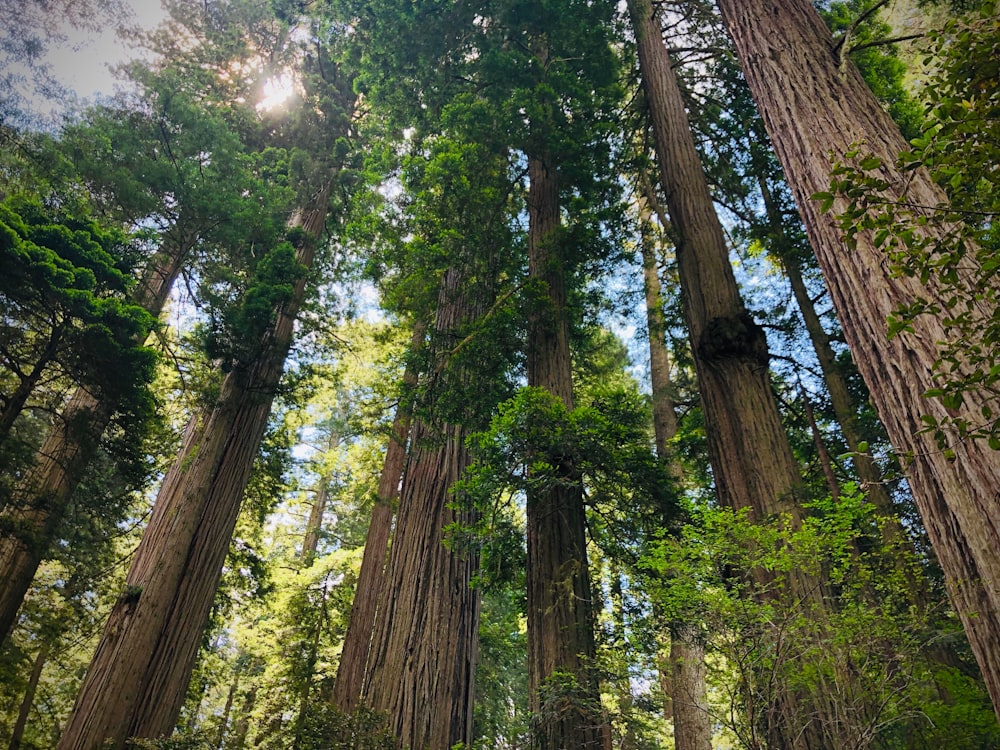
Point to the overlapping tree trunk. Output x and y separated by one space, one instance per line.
357 641
42 498
423 656
686 662
752 461
136 682
813 104
564 698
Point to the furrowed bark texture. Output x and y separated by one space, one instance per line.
686 664
357 641
424 645
137 680
564 698
42 498
814 104
751 458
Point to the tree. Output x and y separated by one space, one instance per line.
753 467
65 285
686 660
787 55
152 636
357 641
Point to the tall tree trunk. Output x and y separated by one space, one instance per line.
136 682
561 645
29 698
424 647
357 641
686 663
751 458
310 540
42 497
844 408
813 103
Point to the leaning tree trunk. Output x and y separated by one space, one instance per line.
42 497
844 408
424 647
561 647
357 641
813 104
752 461
686 663
136 682
28 700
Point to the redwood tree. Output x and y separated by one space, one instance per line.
751 458
138 678
815 104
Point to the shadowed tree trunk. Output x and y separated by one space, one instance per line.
814 103
136 682
686 663
424 645
42 497
17 734
357 641
752 461
564 698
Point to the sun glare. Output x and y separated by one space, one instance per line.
277 91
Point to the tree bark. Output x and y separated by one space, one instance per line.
29 698
357 641
424 648
813 104
752 461
42 498
564 697
310 540
686 664
136 682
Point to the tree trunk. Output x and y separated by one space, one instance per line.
357 641
29 698
751 458
814 104
42 498
310 541
689 697
15 400
136 682
844 408
220 738
686 664
424 647
564 697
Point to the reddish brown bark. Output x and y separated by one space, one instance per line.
137 680
751 459
42 497
685 669
424 646
564 697
357 641
814 104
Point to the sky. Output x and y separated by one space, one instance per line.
83 62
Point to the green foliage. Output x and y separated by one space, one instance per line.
871 646
64 282
879 62
534 437
956 244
